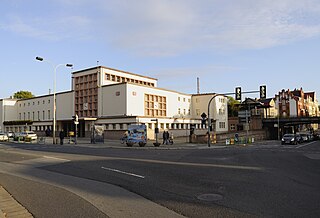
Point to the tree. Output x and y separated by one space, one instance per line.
23 95
233 107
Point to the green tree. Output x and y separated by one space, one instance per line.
233 107
23 95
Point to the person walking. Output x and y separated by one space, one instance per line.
167 137
164 137
61 135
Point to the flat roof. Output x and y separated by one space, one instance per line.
108 68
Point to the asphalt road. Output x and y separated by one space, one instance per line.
255 181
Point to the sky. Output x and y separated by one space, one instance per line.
225 43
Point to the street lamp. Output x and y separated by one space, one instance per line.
55 67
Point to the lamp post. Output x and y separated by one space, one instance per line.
55 67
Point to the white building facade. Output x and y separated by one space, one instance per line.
114 99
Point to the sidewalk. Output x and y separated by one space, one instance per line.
10 208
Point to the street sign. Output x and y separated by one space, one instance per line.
76 122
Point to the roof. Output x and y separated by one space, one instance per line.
108 68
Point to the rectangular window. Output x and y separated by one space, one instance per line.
198 112
49 114
222 125
232 126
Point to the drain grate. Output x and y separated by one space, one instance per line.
210 197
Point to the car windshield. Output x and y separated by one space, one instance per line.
288 135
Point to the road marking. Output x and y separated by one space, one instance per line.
56 158
126 173
188 164
300 146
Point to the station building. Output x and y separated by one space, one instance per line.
114 99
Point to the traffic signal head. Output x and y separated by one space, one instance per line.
75 118
263 92
238 93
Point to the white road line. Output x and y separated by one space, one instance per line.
300 146
56 158
126 173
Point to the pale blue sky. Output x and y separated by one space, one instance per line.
226 43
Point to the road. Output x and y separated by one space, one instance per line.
254 181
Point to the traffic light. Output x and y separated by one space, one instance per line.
75 118
263 92
238 93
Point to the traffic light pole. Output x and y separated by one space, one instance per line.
262 92
76 134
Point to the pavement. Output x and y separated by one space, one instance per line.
10 208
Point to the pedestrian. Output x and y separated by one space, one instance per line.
164 137
61 135
167 137
48 132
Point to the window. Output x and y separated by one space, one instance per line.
179 111
49 101
178 98
155 105
198 112
107 76
232 126
184 99
222 125
184 111
49 114
43 115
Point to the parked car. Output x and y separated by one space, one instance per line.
26 136
290 139
304 137
10 134
3 137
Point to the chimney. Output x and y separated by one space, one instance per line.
198 85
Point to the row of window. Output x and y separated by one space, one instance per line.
86 78
150 126
27 116
33 103
221 100
116 78
184 99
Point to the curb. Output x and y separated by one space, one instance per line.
10 208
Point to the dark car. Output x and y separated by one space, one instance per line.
290 139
